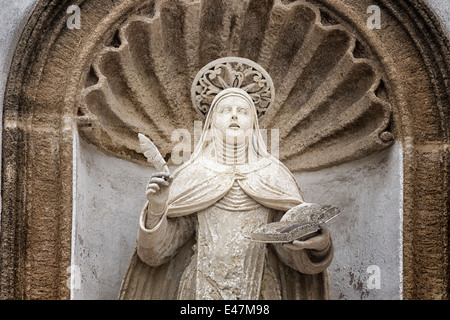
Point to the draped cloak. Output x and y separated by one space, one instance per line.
200 183
197 186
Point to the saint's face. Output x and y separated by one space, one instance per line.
233 117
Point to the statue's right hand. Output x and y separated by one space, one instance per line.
158 190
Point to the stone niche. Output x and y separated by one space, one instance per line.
362 114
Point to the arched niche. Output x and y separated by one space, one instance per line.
51 98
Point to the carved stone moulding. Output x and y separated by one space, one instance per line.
342 92
330 103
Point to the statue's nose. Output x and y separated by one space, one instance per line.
234 116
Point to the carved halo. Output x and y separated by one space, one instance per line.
232 72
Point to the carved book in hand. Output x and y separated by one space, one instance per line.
298 223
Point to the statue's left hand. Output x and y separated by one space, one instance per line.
319 242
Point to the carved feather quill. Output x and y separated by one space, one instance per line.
152 153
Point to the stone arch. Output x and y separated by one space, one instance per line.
42 109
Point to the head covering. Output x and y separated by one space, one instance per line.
257 148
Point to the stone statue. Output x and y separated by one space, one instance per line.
193 239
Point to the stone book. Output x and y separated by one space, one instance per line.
298 223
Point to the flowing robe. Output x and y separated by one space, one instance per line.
202 251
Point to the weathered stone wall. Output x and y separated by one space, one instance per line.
14 16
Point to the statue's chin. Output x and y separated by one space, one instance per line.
232 134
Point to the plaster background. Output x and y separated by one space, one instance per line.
108 201
442 10
369 230
110 194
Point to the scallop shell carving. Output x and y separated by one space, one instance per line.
328 106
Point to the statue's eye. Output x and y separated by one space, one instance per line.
242 111
226 110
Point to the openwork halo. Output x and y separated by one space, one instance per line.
232 72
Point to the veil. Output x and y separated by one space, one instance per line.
257 148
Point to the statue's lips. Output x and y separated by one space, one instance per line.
235 126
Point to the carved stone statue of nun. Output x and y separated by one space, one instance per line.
193 238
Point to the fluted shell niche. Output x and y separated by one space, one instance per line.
331 103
